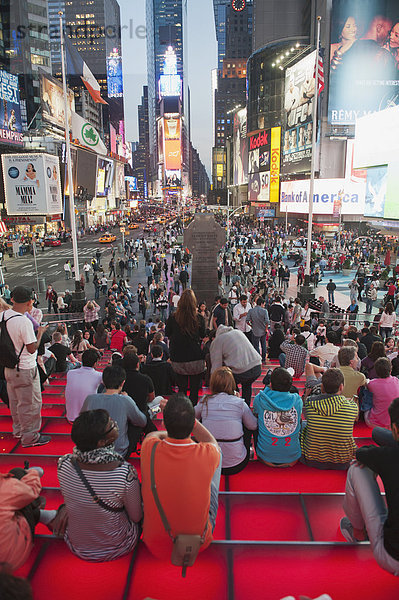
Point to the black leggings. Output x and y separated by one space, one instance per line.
195 384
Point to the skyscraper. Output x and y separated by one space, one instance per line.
166 28
94 28
27 48
54 7
233 22
141 157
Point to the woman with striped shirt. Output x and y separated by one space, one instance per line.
109 527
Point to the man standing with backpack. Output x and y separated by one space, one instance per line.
18 353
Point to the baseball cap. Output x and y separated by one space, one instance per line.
21 294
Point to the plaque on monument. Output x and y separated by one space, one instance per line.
204 237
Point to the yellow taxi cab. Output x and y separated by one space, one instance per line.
107 238
133 226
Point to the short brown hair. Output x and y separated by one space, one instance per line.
331 380
346 354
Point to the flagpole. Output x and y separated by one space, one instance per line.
313 161
69 164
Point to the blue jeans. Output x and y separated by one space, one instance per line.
214 504
331 297
385 332
281 359
365 507
262 340
369 306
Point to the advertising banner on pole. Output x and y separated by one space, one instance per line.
32 184
298 104
240 146
364 75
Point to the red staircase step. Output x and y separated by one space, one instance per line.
207 579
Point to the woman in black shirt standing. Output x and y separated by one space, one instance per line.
185 330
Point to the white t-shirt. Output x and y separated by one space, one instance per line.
21 332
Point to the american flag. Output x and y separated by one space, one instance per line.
320 73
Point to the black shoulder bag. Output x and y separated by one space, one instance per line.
185 546
97 500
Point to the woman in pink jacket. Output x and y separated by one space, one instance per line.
19 514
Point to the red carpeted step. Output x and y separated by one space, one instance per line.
207 579
62 575
267 518
7 442
362 430
56 426
58 446
38 545
49 398
5 423
257 477
48 464
48 409
342 571
325 513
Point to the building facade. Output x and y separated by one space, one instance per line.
234 24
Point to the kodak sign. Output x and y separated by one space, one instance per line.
275 153
257 141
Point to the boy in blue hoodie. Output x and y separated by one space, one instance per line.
279 421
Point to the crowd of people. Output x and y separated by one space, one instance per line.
197 364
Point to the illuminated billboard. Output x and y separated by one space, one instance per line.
259 166
377 152
172 128
172 179
364 76
240 148
275 157
132 183
52 100
32 184
10 114
170 85
114 75
172 143
298 126
105 174
295 196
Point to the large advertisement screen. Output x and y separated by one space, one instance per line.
172 143
32 184
259 166
376 191
10 114
105 174
364 74
114 76
240 142
295 196
170 85
173 179
298 126
52 97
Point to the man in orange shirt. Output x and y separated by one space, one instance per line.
187 477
